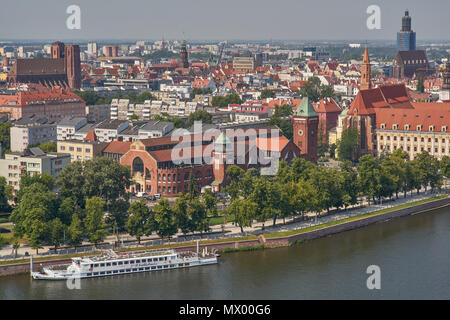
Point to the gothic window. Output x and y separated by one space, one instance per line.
138 165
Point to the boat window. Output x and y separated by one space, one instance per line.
165 258
160 259
138 261
102 264
120 263
141 269
128 270
159 267
91 266
114 263
125 262
172 265
108 264
166 266
108 272
147 268
121 270
115 271
103 272
135 269
132 261
153 268
95 273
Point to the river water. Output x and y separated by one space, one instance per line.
413 254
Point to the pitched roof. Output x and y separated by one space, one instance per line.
305 109
118 147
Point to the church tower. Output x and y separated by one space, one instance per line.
305 122
365 72
184 62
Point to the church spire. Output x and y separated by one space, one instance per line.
365 72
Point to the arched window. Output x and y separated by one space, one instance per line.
148 176
164 177
169 177
138 165
198 175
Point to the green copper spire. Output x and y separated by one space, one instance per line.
305 109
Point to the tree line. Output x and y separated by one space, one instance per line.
91 199
305 187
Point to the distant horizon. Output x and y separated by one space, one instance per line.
212 20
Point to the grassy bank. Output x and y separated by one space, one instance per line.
359 217
250 248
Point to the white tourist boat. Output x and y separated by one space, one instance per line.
112 263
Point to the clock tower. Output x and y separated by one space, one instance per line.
305 123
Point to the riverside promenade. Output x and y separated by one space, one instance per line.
231 231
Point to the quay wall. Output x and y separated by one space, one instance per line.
266 242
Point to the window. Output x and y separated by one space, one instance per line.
78 149
63 148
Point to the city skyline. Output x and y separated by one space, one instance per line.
285 20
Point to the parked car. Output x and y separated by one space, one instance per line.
157 196
140 194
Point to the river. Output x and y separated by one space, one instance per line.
413 254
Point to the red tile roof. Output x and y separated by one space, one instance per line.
118 147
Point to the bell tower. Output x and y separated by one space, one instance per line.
365 72
305 122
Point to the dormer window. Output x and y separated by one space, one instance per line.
407 126
383 126
431 128
395 126
419 127
444 128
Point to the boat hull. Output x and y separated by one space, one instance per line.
46 275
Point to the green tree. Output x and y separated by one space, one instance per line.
244 210
199 115
164 218
94 224
348 146
36 208
266 93
368 174
182 219
56 232
48 146
349 184
192 189
420 86
134 117
5 129
234 173
137 223
210 202
76 231
5 195
196 210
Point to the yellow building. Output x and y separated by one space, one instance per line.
81 150
413 142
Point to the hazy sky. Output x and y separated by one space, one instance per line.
225 19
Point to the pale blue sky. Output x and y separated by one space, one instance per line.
225 19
